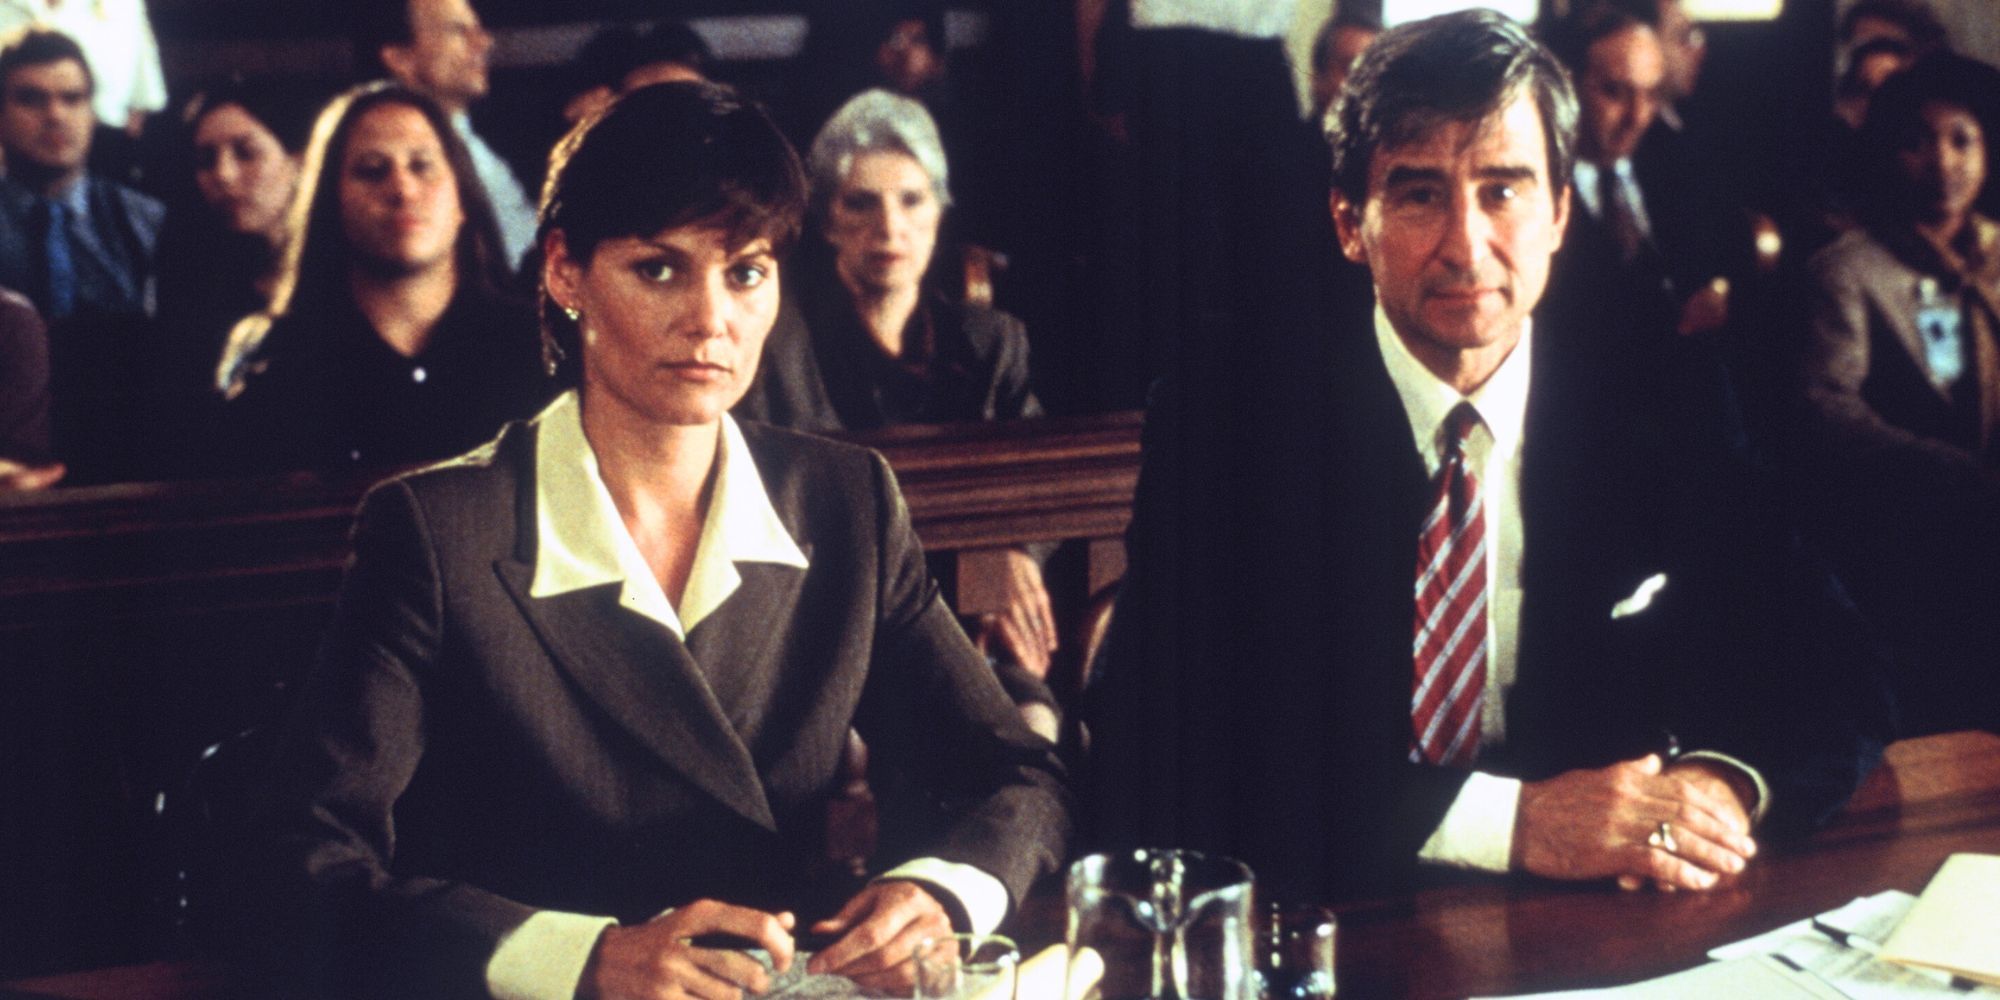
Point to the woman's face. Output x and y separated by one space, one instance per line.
243 171
673 324
398 199
883 222
1945 162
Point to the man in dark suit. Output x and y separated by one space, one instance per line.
1495 595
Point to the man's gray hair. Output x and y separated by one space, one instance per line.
875 121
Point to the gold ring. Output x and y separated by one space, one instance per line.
1663 837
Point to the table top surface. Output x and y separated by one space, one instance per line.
1932 798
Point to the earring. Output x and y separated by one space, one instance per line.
572 313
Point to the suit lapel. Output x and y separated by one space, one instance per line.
646 680
1379 492
733 644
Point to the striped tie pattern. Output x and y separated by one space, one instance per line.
1450 648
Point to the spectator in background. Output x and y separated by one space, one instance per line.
1643 252
900 46
439 49
620 59
26 462
1911 22
1901 374
387 340
118 46
78 245
1684 46
219 256
1339 42
866 341
1869 66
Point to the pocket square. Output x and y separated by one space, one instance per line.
1641 599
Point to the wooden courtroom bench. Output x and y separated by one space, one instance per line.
140 623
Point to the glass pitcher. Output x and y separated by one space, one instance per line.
1159 925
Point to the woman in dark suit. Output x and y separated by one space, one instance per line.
604 667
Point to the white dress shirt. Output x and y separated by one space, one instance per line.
581 541
1244 18
1586 175
1477 831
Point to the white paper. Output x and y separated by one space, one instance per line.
1759 978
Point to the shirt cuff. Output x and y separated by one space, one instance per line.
1763 803
1477 832
543 959
980 895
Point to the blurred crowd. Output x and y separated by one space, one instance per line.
272 274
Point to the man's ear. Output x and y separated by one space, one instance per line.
1564 199
400 62
1347 225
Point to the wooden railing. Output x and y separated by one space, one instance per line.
150 549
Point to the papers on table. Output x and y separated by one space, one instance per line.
1955 925
1832 956
1756 977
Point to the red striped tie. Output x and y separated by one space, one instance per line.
1450 647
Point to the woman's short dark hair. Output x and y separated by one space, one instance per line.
1457 67
1895 117
658 158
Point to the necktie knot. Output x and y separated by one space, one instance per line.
1458 426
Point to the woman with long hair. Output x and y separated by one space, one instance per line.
387 339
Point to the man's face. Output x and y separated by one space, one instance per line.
1684 46
446 55
1619 91
1457 229
45 116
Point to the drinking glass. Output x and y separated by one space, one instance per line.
1160 924
966 967
1295 952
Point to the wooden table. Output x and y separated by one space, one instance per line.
1932 797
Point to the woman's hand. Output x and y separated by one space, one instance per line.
879 930
1027 628
657 960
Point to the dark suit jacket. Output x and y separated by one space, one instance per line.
113 258
1254 695
822 372
465 754
1697 235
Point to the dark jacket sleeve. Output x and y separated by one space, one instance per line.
24 382
932 706
1223 713
343 917
790 390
